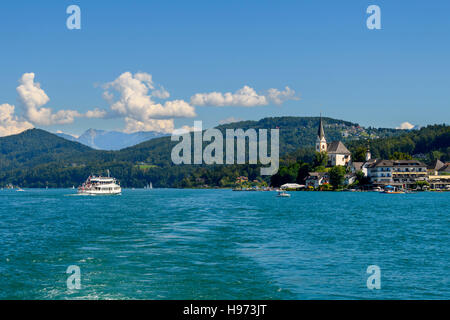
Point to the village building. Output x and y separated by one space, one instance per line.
397 172
435 166
316 179
440 178
338 154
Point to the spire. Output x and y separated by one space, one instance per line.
320 132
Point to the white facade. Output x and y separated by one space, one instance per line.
339 159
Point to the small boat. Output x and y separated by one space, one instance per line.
283 194
392 190
98 185
20 190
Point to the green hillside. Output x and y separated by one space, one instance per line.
34 147
36 158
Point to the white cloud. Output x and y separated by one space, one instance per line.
33 98
244 97
161 93
96 113
9 123
133 125
278 97
134 102
185 129
406 126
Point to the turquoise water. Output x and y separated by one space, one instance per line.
219 244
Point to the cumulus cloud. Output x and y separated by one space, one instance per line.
133 125
133 101
185 129
9 123
244 97
279 97
406 126
96 113
161 93
34 98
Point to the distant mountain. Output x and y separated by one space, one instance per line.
111 140
67 136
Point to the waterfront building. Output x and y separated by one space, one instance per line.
397 172
316 179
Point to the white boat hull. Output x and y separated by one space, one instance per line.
100 186
99 192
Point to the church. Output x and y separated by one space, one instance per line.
338 154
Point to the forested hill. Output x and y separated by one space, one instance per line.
36 158
34 147
427 144
295 133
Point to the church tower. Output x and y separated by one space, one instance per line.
321 142
368 154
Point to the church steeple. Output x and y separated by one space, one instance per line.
321 142
320 132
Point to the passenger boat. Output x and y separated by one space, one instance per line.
98 185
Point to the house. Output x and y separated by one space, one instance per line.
338 154
349 178
435 167
316 179
439 179
356 166
397 172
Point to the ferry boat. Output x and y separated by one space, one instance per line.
100 186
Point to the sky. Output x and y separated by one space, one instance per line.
160 65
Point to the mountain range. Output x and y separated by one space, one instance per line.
37 158
111 140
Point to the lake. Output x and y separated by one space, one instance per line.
220 244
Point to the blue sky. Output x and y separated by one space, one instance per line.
321 49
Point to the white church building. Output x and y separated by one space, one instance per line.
338 154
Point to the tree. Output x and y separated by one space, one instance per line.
421 184
337 175
359 155
303 172
400 156
320 159
285 175
361 179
